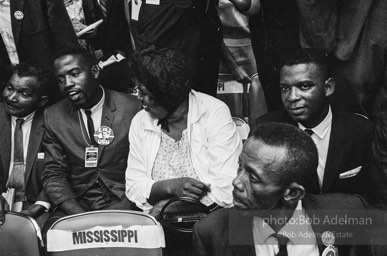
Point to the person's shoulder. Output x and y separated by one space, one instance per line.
2 106
334 201
214 220
62 107
355 121
121 97
3 112
207 100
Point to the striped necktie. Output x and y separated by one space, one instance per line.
16 178
103 5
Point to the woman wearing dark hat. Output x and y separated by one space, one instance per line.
183 143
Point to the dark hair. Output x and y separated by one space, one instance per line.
165 74
42 75
87 57
309 55
301 152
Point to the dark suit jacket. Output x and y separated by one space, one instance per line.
34 166
44 29
349 147
65 176
229 232
113 34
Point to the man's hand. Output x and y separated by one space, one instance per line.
35 211
71 207
3 207
240 75
78 26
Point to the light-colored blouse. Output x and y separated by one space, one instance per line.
173 159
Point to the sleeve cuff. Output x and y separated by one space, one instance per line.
44 204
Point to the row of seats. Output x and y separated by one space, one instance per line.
103 233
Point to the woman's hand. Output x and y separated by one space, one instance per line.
189 187
179 187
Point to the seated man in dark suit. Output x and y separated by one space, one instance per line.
283 219
86 140
21 134
343 139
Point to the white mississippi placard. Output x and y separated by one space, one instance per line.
136 236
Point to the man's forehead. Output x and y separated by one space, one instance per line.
300 71
256 150
24 81
70 60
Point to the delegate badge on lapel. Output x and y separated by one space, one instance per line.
328 239
91 157
330 251
19 15
104 135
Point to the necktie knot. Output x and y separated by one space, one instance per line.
88 112
19 122
282 242
309 131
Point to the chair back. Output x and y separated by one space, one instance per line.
106 233
20 235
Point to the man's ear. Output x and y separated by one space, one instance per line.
95 71
43 101
329 86
293 193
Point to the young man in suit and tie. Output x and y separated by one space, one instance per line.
343 139
86 140
273 215
21 134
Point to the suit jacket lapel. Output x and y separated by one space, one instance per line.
243 250
244 241
335 152
109 107
5 140
16 5
312 179
36 136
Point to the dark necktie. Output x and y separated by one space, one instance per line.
282 242
90 127
103 5
309 131
16 179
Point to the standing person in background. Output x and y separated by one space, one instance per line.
21 134
111 36
192 27
32 31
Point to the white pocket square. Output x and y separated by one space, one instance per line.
350 173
